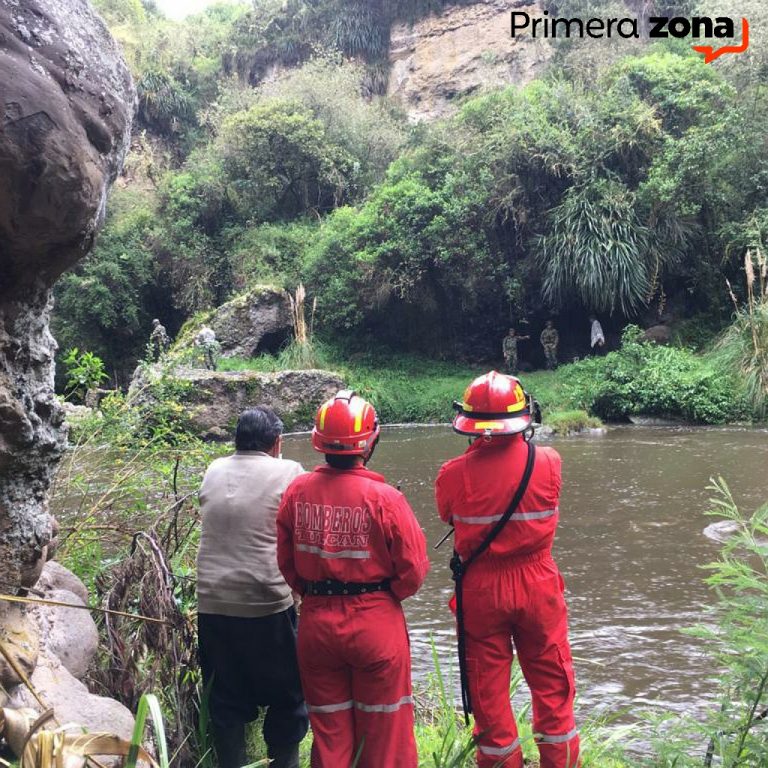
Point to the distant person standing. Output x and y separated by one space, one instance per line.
550 338
596 335
509 349
206 340
158 340
246 615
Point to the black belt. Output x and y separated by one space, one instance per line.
334 587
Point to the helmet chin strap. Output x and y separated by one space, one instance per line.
368 455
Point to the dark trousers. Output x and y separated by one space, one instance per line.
250 663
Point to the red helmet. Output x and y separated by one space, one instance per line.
493 404
346 425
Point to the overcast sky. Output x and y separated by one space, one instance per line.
178 9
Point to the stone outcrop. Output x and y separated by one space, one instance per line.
255 322
659 334
459 52
71 700
66 106
63 642
19 636
213 400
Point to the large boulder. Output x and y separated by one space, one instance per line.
71 700
658 334
54 645
19 636
213 400
66 105
255 322
69 634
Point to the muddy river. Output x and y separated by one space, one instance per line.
630 543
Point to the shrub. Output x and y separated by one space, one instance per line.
84 370
644 378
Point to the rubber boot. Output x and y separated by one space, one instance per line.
229 741
285 756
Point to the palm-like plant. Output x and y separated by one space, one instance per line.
597 249
162 100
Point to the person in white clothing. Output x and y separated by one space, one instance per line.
597 337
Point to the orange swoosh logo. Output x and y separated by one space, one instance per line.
710 53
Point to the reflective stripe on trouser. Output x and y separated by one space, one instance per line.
523 604
355 667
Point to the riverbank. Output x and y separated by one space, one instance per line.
639 379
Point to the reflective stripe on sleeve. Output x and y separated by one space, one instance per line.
550 738
384 707
354 554
327 708
517 516
500 751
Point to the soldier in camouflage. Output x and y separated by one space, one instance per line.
549 340
207 342
509 349
158 340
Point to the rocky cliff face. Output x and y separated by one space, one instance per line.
460 52
66 105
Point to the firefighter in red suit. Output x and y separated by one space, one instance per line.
512 594
351 546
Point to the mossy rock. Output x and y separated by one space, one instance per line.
212 401
254 322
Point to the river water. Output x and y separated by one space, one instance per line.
630 545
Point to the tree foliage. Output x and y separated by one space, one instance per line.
606 185
280 163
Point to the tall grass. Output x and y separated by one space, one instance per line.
744 345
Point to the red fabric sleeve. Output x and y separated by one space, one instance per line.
285 554
443 497
408 549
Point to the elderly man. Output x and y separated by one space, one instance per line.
246 614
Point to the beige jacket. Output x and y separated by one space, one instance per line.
237 573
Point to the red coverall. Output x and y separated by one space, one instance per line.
513 593
354 653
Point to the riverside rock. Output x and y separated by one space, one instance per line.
71 701
212 401
63 642
255 322
69 634
19 636
66 107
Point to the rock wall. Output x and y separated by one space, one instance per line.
66 105
459 52
213 400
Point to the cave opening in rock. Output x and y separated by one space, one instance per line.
272 343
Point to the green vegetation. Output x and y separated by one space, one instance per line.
580 192
641 378
84 370
744 345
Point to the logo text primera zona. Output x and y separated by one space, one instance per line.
698 27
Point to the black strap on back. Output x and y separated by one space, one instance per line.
459 568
